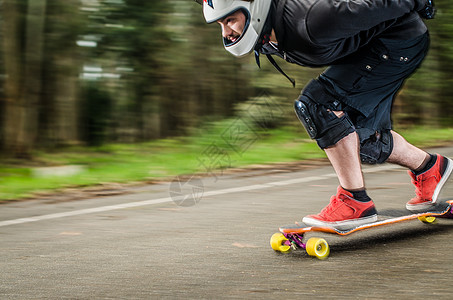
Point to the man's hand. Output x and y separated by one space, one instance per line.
428 11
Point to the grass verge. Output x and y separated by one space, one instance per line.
216 148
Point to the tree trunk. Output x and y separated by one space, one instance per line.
32 83
24 81
61 111
12 65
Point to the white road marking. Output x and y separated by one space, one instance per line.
169 199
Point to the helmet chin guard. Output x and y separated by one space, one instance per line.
256 13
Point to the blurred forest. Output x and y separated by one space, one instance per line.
88 72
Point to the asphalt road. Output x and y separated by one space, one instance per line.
143 245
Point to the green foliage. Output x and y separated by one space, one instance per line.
160 71
167 158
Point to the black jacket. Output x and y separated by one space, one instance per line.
322 32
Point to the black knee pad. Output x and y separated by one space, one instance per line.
375 148
314 109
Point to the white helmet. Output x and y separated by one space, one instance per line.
256 13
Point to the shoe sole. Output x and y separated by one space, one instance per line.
340 225
440 185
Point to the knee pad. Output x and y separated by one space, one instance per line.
375 148
321 123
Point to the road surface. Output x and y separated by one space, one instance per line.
209 238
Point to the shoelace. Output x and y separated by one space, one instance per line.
334 202
418 190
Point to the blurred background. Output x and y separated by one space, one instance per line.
99 71
88 74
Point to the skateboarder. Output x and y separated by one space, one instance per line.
370 48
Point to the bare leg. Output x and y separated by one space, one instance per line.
345 159
406 154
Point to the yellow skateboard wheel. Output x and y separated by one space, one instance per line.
278 243
427 219
318 247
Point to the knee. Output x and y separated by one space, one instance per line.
320 114
375 148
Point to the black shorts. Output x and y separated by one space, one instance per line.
366 82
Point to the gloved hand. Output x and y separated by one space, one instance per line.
428 11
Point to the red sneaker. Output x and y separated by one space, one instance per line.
429 184
343 212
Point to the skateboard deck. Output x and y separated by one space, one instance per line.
292 236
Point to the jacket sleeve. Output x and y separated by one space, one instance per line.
330 20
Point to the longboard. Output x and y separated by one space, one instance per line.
292 236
